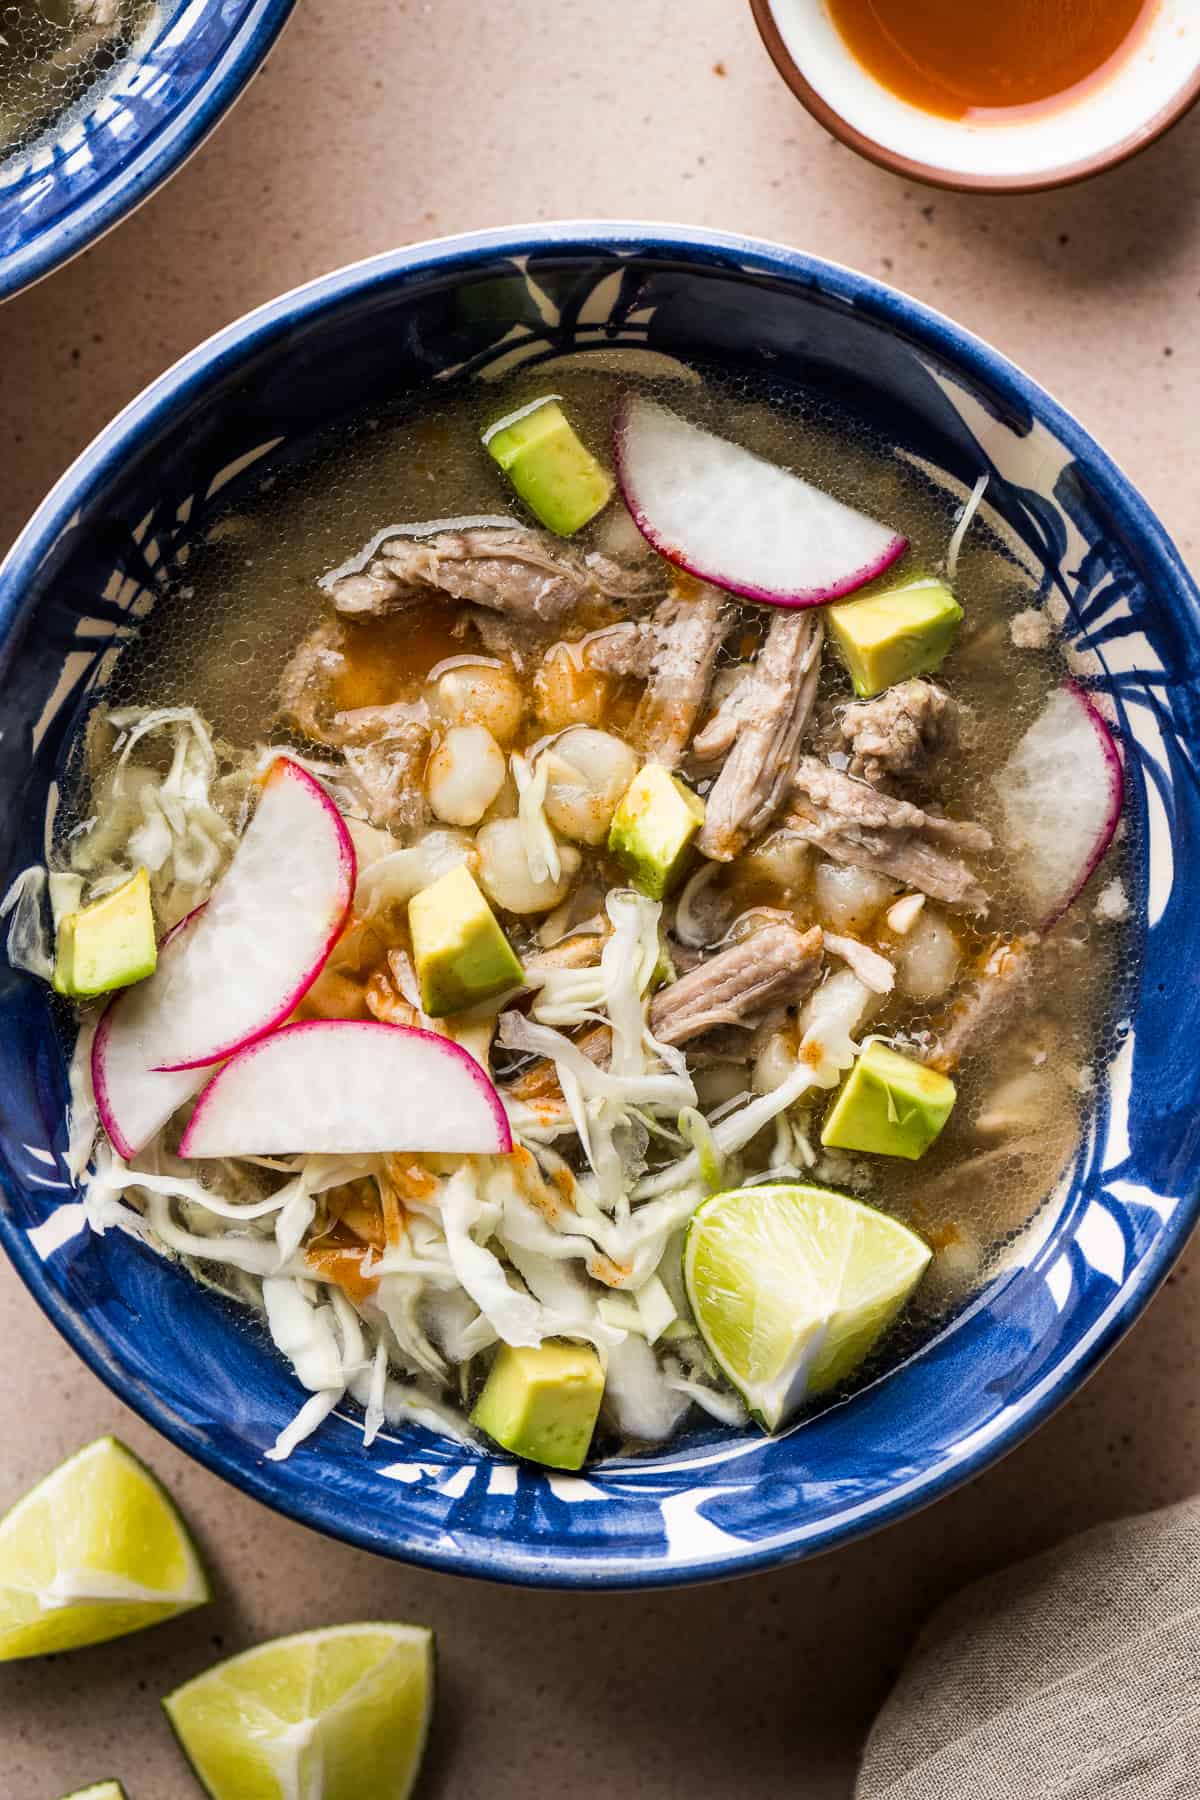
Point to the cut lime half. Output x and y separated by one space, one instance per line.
338 1714
792 1286
94 1551
100 1790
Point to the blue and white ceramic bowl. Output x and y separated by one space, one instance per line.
133 129
91 563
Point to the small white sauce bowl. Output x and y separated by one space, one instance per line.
1152 84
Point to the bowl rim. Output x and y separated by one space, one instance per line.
130 184
178 387
956 181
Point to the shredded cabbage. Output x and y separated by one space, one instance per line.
662 1088
637 1395
726 1408
696 1131
374 1414
964 525
827 1048
304 1332
656 1309
83 1118
400 1299
406 1403
66 895
689 928
176 825
391 879
29 945
353 1345
608 1106
566 997
455 1255
515 1317
312 1414
537 836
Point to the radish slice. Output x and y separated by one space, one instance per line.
263 937
743 524
1061 792
346 1088
134 1100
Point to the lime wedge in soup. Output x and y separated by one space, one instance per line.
100 1790
792 1286
338 1714
94 1551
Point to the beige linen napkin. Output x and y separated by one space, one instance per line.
1074 1676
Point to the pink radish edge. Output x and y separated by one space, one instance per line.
445 1046
348 870
802 597
108 1118
1116 797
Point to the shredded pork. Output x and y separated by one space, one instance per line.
737 988
775 966
627 649
688 629
768 712
526 575
1000 986
851 822
902 734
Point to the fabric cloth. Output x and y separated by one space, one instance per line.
1074 1676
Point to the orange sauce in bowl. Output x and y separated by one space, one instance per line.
957 60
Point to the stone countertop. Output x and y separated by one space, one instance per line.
350 144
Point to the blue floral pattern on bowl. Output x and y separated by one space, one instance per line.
716 1502
80 177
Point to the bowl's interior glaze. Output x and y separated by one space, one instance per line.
714 1503
129 132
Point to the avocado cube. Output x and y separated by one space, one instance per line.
653 828
889 1105
461 955
543 1403
555 473
109 944
900 632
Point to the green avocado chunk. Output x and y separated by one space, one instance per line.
109 944
461 954
889 636
889 1105
653 828
555 473
542 1403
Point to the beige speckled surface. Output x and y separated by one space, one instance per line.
433 118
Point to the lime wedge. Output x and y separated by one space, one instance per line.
92 1552
338 1714
792 1286
102 1790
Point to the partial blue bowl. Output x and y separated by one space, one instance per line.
717 1502
79 178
